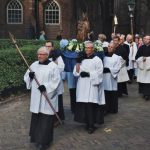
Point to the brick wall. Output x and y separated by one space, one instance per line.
65 22
19 30
68 19
24 30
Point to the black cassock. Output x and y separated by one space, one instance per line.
41 128
144 51
123 51
54 55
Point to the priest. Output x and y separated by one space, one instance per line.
132 53
123 51
90 94
55 56
112 66
48 75
143 63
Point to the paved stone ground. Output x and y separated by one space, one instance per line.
127 130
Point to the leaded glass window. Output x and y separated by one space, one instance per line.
52 13
14 12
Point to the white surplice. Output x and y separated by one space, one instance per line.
61 66
49 76
110 79
132 54
90 89
123 74
143 74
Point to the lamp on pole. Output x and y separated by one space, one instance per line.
131 8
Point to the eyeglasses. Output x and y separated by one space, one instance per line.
88 47
42 54
48 46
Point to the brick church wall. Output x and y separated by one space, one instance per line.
65 21
68 19
19 30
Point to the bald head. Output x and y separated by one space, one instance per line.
129 38
111 47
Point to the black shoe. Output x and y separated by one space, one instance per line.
91 130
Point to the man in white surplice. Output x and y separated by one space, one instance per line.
143 63
132 67
90 94
112 66
48 75
55 56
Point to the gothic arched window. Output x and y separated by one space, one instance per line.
52 13
14 12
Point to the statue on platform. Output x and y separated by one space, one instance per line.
83 28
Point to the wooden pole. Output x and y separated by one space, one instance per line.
44 93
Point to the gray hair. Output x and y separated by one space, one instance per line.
88 42
102 37
43 49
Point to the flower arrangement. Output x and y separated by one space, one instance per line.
76 46
98 46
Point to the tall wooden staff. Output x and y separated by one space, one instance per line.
44 93
115 23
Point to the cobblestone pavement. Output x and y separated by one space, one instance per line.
127 130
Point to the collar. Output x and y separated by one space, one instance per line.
46 62
109 54
90 57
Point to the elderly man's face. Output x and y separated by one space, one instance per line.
42 56
110 48
49 46
129 39
89 49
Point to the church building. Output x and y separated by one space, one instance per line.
26 18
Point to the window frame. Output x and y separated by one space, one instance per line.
59 14
15 9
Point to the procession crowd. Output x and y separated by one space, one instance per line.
95 80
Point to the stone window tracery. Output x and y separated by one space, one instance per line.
52 13
14 12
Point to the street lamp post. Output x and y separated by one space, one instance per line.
131 7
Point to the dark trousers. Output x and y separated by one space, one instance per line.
122 88
90 115
41 128
72 99
61 107
111 98
131 74
144 88
60 112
